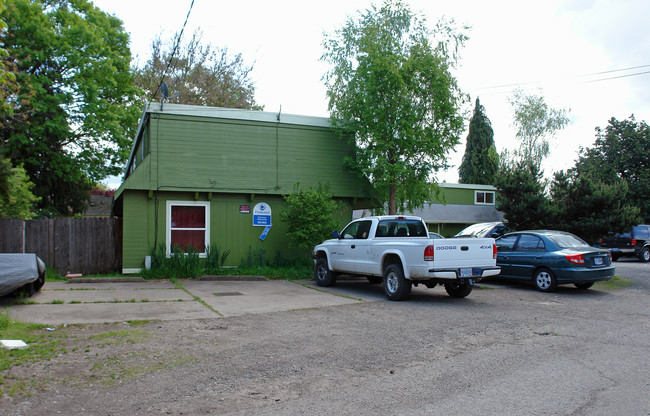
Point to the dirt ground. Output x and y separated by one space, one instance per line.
506 349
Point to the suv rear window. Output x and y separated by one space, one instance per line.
641 232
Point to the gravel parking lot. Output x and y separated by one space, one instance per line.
506 349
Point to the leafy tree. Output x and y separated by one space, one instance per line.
18 201
535 122
5 174
621 151
588 207
310 214
393 89
480 161
521 195
7 73
199 72
74 105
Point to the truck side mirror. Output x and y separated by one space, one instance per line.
335 234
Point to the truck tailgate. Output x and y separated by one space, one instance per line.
455 253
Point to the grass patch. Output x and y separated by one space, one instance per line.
52 275
42 345
138 322
294 272
614 283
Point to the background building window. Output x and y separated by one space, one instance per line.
188 225
484 197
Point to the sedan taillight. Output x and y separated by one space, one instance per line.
428 253
576 259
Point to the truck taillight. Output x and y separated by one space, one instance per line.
428 253
633 242
494 251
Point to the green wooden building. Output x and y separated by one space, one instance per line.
456 207
204 176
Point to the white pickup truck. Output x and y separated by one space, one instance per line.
397 251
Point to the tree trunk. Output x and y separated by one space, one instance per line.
392 208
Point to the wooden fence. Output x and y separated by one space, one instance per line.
70 245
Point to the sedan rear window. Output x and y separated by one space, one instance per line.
568 240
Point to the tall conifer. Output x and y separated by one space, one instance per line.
481 161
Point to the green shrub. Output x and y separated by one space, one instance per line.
184 264
215 259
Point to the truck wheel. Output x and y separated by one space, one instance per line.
644 256
457 290
396 286
323 275
544 280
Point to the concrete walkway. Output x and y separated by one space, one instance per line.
114 301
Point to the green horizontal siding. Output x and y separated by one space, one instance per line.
135 228
229 228
242 156
456 196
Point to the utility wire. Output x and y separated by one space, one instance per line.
520 84
178 41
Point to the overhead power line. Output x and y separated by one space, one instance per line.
597 77
178 42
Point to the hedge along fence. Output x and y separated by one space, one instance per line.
70 245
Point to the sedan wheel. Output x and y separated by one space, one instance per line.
544 280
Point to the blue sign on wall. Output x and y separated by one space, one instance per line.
265 232
262 218
262 215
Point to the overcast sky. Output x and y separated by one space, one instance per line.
589 56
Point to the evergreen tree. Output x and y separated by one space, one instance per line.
589 207
622 150
480 162
521 195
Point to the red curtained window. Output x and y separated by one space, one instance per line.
188 227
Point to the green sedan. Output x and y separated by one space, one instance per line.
551 258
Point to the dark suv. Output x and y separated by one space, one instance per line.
633 243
